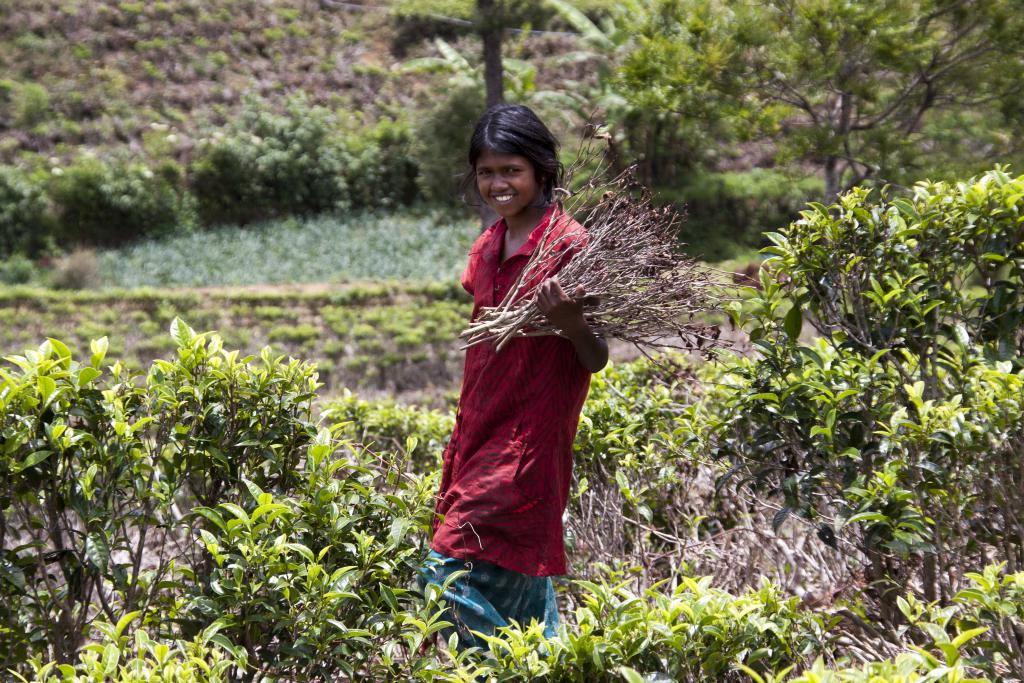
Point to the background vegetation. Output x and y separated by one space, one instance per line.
834 497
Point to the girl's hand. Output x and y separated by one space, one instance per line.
567 315
564 313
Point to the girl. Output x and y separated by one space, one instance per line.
507 469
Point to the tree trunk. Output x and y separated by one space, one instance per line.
831 179
491 30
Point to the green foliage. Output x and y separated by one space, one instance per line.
726 212
107 202
442 138
682 632
304 580
967 640
298 163
897 429
682 80
423 246
385 425
233 537
17 270
271 165
116 656
381 172
624 438
858 89
281 542
23 105
25 222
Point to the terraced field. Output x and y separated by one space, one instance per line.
378 338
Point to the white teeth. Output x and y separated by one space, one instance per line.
502 197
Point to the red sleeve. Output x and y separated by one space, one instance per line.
469 274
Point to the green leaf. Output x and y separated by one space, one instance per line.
86 375
750 672
793 322
237 512
123 622
181 332
254 490
97 551
62 350
301 550
867 517
967 636
34 459
111 656
264 509
99 351
47 388
630 674
211 515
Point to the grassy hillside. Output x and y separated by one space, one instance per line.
114 74
101 73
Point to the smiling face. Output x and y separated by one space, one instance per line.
507 183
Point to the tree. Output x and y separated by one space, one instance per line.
491 16
856 88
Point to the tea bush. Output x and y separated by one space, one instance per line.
202 495
898 429
386 425
200 502
119 657
686 632
196 523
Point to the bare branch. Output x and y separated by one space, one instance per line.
639 287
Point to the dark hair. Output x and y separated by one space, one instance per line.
515 129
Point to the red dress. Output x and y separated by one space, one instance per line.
507 469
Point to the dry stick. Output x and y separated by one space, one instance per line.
639 288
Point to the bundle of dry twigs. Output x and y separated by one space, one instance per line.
639 287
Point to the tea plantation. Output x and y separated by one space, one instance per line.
838 509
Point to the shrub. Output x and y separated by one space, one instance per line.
300 163
898 429
25 223
206 501
78 270
687 632
116 656
441 141
227 536
104 203
385 425
17 270
23 105
727 212
381 171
